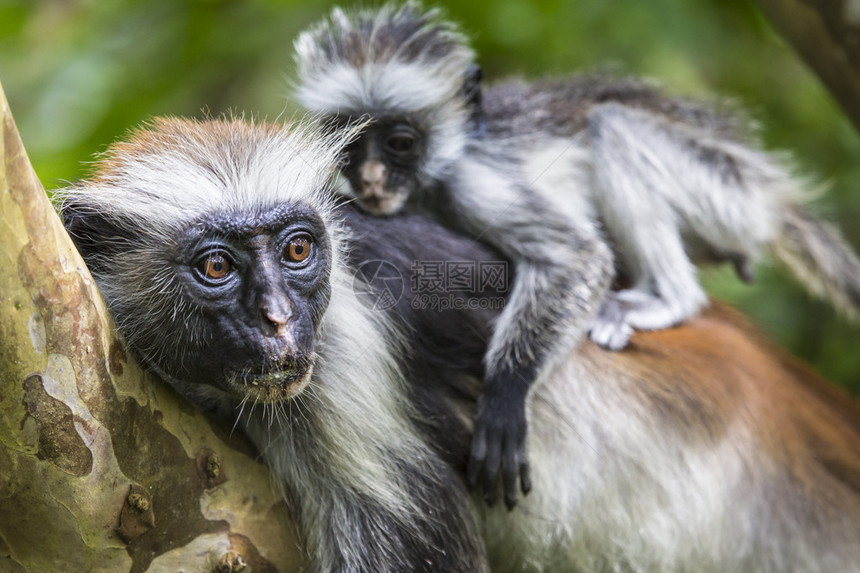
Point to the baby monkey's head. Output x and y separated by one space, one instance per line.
413 74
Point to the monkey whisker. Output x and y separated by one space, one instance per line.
241 408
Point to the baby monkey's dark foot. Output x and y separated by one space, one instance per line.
499 450
744 268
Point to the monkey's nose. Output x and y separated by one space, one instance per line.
373 178
274 322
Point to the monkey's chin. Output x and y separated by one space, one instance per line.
273 386
382 206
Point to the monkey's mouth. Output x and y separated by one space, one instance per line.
282 383
377 205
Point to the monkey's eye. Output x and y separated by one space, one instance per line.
299 249
214 266
401 143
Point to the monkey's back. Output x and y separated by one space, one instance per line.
699 448
624 438
559 106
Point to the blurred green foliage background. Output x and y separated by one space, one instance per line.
79 73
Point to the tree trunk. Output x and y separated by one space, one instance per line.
103 467
826 34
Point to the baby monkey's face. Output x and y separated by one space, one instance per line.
383 164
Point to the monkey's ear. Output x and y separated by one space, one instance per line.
473 95
97 237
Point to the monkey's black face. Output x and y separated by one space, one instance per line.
383 164
258 286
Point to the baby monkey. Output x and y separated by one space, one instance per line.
539 171
408 71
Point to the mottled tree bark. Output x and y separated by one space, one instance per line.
103 467
826 33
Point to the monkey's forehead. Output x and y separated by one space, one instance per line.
394 86
404 32
396 57
181 170
248 223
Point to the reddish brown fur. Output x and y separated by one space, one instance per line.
718 370
162 133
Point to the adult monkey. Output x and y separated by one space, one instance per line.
701 448
216 249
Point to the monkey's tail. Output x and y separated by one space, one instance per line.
821 259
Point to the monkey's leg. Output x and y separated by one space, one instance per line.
561 275
634 184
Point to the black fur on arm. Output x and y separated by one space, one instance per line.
445 348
